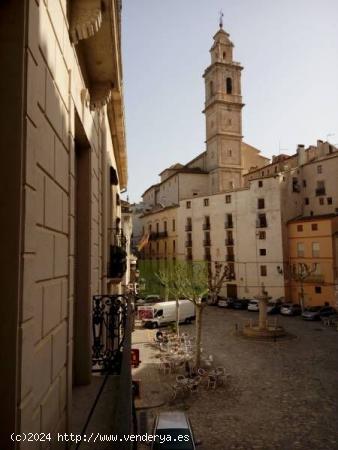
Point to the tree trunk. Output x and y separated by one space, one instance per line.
177 317
199 310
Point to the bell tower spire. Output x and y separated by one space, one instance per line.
223 114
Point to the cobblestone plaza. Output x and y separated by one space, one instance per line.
280 396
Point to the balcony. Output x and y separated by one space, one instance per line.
261 223
314 278
162 234
206 226
206 242
229 241
230 258
117 264
320 191
228 224
188 227
188 244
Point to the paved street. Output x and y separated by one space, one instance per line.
280 396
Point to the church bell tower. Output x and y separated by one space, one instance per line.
223 114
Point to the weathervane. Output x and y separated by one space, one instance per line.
221 15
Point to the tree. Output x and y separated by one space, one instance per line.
300 272
190 281
166 276
217 274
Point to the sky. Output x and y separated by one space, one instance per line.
289 51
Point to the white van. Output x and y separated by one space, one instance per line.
163 313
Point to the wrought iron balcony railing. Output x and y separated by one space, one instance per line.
109 331
188 227
207 243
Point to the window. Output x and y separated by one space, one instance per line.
229 85
314 226
174 225
157 227
206 202
306 200
304 183
329 200
319 169
149 228
264 271
165 225
260 183
174 246
157 247
228 199
260 203
262 235
165 247
299 227
315 249
188 205
318 289
229 152
300 249
295 185
262 251
224 55
321 200
228 221
320 190
261 221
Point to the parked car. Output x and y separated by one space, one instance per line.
274 306
253 305
290 309
311 313
327 311
240 303
173 431
225 302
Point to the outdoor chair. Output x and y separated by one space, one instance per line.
165 367
212 382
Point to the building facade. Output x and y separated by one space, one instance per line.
241 228
313 277
64 169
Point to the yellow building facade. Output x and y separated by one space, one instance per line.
313 259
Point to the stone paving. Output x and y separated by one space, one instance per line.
280 396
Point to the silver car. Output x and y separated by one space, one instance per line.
172 431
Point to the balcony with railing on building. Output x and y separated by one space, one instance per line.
228 221
117 264
229 241
232 275
320 189
230 257
261 221
162 234
206 223
207 242
188 225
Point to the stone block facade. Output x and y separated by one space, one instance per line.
56 123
